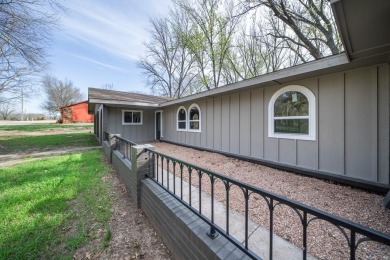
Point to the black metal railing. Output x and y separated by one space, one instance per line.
106 136
124 147
165 167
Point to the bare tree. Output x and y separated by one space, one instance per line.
168 64
310 22
25 31
6 108
197 46
255 52
276 53
210 40
24 35
59 93
246 59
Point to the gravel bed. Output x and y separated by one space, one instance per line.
324 240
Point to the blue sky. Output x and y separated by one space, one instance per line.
98 42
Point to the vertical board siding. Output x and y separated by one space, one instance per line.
306 158
191 137
201 138
374 109
167 131
187 136
359 124
172 123
287 151
307 151
210 124
171 131
217 119
234 124
106 121
135 133
117 120
197 139
225 131
270 145
257 127
331 128
245 123
383 123
352 125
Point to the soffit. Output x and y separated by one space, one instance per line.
364 26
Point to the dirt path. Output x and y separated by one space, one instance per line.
49 131
133 236
12 159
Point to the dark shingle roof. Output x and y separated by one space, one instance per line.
104 94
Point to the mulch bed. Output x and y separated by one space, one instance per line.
325 241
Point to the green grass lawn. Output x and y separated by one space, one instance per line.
51 206
12 144
38 127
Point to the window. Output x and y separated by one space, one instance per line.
181 119
292 114
131 117
194 118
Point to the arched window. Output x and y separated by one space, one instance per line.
292 114
194 118
181 119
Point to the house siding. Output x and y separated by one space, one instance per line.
135 133
352 125
98 122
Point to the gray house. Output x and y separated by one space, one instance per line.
327 118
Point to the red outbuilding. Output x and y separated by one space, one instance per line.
76 113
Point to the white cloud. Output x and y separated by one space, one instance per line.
116 27
102 64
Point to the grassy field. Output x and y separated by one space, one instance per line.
39 127
20 143
51 206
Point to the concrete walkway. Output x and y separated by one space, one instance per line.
259 237
12 122
11 159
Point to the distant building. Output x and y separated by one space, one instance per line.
76 113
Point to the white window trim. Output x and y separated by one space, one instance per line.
177 119
312 114
189 121
123 117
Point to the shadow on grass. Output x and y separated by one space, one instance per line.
25 144
38 127
28 240
36 173
35 205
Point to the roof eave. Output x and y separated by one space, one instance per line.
362 27
338 14
121 102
